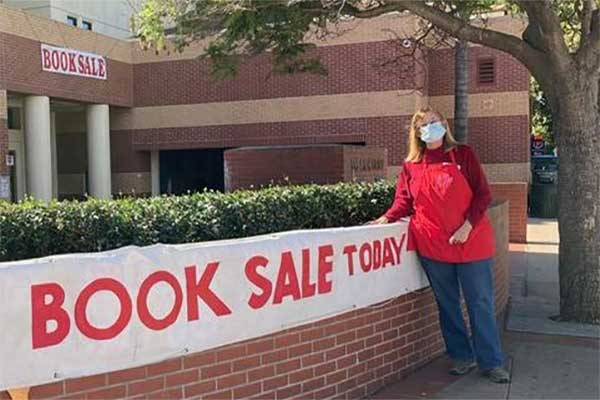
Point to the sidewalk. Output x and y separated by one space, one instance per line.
546 359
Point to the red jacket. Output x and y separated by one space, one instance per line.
409 181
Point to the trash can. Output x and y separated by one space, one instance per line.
544 200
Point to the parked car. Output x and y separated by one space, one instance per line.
544 169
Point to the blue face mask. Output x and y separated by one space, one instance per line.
432 132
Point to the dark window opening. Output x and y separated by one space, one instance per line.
14 118
71 20
87 25
183 171
486 71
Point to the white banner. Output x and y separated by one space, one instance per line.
81 314
73 62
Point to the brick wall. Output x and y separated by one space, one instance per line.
321 164
3 130
21 70
516 195
352 68
260 166
511 75
346 356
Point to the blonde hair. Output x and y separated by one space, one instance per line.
416 146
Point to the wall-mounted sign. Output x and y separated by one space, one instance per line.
73 62
10 160
135 306
538 145
5 187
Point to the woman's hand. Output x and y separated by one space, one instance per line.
379 221
462 234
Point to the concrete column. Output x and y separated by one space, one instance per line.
54 155
38 146
155 172
98 151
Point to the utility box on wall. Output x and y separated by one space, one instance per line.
322 164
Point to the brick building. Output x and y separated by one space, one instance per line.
159 123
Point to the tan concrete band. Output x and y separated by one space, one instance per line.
495 173
385 27
486 104
3 105
507 173
307 108
131 182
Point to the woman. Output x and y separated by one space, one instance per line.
442 186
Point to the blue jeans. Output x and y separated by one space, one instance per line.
476 281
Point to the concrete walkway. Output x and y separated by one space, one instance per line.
534 289
547 359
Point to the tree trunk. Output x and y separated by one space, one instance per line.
578 124
461 90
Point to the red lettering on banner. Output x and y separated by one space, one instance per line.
72 67
142 300
349 251
325 268
123 319
42 312
202 290
308 288
80 64
72 62
55 60
64 62
46 59
101 68
258 300
388 256
87 69
94 69
398 247
366 263
376 254
287 280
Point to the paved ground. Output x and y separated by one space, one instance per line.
547 359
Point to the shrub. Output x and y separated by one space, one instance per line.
32 229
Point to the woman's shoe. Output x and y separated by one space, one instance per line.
461 367
497 375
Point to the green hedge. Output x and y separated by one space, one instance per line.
32 229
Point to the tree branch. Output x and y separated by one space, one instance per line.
463 30
586 17
372 12
546 21
589 51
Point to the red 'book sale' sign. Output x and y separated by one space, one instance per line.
73 62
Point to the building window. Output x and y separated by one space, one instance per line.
486 71
14 118
71 20
87 25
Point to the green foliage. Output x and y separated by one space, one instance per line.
32 229
237 29
541 116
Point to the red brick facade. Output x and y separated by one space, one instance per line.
351 68
516 195
347 356
511 76
3 146
255 166
495 139
21 72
